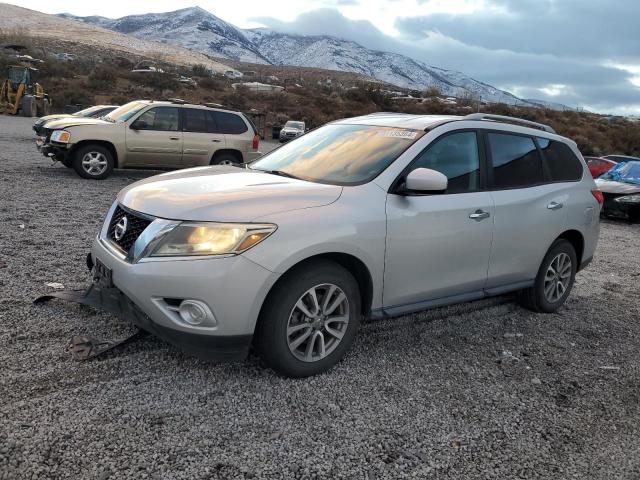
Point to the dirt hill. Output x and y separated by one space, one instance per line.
53 33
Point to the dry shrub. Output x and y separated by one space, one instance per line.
102 78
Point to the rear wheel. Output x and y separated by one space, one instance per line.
93 161
310 320
28 106
226 159
554 280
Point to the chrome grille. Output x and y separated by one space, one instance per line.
136 224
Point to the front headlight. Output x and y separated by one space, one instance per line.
212 239
629 199
60 136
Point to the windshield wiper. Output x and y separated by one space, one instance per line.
280 173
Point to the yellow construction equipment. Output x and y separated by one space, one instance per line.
21 93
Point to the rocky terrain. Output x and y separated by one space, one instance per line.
52 31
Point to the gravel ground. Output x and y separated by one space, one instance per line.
480 390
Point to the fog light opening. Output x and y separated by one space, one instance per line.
196 313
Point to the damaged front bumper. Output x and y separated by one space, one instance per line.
112 300
55 151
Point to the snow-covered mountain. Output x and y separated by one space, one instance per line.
197 29
545 104
192 28
337 54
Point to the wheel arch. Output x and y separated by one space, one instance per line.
576 239
349 262
103 143
227 151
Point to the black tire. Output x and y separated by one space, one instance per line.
28 106
271 332
226 159
46 107
534 298
94 150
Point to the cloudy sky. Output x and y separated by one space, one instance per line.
583 53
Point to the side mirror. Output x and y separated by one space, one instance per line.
425 180
139 125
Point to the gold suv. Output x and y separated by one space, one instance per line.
150 134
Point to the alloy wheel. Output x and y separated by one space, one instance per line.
94 163
318 322
557 277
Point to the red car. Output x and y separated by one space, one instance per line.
598 165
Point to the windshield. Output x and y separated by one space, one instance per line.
296 125
87 111
125 112
340 154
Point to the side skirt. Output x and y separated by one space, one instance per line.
399 310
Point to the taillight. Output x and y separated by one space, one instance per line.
256 142
597 194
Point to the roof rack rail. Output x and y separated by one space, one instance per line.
179 101
505 119
218 106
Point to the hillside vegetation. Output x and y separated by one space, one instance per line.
309 96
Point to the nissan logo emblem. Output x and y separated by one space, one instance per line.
121 228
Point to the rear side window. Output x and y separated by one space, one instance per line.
229 123
562 163
456 156
195 120
516 161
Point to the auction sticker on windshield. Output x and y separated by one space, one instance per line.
395 133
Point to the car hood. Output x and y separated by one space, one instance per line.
50 118
223 194
75 121
291 130
611 186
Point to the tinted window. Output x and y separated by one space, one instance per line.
516 161
229 123
340 154
562 163
161 118
456 156
195 120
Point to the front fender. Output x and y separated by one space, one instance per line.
354 225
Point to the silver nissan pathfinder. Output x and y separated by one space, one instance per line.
368 217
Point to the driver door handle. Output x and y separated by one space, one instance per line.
216 140
174 138
554 206
479 215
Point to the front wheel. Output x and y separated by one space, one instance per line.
93 161
554 280
310 320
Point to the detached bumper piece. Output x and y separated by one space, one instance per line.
112 300
85 347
